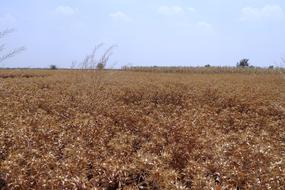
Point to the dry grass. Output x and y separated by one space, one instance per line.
139 130
207 70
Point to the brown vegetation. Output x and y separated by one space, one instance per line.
4 76
139 130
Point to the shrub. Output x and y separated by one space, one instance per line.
100 66
52 67
243 63
207 65
92 61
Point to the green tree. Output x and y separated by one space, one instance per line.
243 63
53 67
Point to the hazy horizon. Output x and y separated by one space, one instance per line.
147 33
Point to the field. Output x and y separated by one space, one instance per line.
142 130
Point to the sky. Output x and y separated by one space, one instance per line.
145 32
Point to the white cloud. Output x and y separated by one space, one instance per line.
191 9
170 10
120 16
66 10
175 10
7 20
264 13
204 25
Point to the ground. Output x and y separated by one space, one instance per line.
141 130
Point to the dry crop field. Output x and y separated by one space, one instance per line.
141 130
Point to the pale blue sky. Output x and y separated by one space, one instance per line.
147 32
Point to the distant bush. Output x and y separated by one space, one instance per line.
52 67
207 65
100 66
243 63
271 67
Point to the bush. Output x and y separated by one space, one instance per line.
100 66
207 65
91 61
243 63
271 67
53 67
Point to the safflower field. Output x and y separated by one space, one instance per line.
129 130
